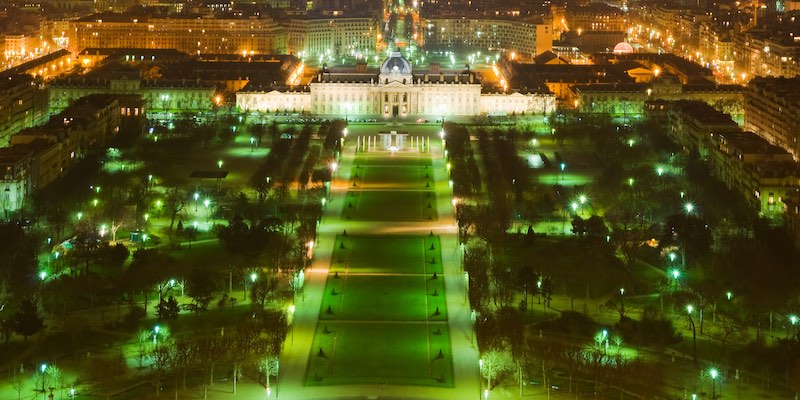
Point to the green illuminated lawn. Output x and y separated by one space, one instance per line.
387 254
392 205
384 298
391 177
358 353
398 160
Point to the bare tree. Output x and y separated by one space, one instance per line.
269 366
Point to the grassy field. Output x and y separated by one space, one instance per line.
399 160
384 298
353 353
390 205
392 177
387 254
385 278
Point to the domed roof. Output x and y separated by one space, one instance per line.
623 48
395 64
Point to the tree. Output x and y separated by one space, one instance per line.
162 358
149 266
185 355
85 245
174 202
17 267
116 211
168 308
493 363
112 257
691 232
269 366
202 285
18 384
57 376
27 321
211 350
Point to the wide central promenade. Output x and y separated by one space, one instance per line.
383 313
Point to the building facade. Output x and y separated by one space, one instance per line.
527 38
317 37
395 91
23 104
189 35
772 110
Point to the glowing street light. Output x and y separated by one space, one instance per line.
43 275
334 166
713 373
219 164
43 369
689 207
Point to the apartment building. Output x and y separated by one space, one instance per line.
317 35
23 104
39 155
772 110
193 35
525 37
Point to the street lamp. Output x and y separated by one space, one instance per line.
156 330
43 369
713 373
42 275
196 198
219 164
689 310
689 207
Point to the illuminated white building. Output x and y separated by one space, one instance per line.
394 91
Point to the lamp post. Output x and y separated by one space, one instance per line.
43 369
622 302
713 373
689 310
253 276
563 167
